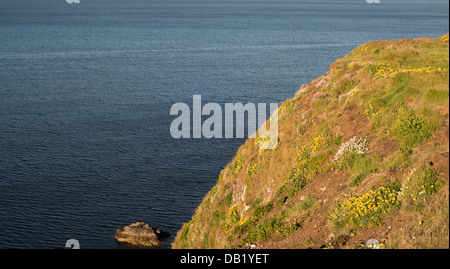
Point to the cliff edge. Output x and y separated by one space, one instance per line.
363 154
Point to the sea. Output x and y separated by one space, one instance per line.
86 91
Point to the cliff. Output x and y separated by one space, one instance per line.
363 154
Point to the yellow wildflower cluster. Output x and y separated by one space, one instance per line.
371 246
235 166
254 168
285 108
353 92
361 49
291 227
282 109
318 141
444 38
272 141
424 70
351 64
233 218
365 209
302 159
387 70
372 113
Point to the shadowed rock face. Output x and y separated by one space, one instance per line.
140 234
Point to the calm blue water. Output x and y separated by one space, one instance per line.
85 94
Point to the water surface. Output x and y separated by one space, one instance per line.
86 90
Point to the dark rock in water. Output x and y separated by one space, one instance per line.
140 234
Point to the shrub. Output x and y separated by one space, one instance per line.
281 201
423 181
430 182
261 210
358 179
263 230
290 227
291 187
411 130
310 202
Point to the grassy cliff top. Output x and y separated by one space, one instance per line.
363 154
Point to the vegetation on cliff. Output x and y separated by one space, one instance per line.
363 154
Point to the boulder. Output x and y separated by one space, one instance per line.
140 234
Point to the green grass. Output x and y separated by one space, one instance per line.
227 200
216 218
359 166
411 130
207 243
437 96
292 186
310 202
261 231
235 167
359 178
396 160
431 181
424 181
261 210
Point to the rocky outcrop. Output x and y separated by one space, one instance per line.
140 234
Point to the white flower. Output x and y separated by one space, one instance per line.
356 145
